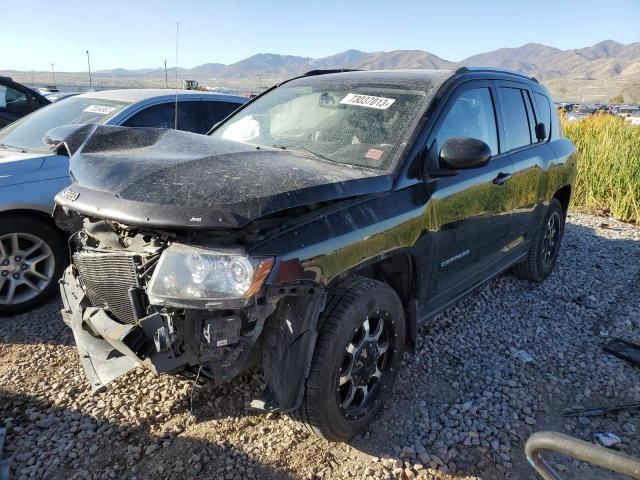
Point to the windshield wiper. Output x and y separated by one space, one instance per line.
315 155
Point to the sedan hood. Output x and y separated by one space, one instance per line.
13 162
169 178
17 167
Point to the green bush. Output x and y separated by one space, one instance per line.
608 151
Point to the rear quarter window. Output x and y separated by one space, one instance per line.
544 109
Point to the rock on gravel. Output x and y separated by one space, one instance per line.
462 407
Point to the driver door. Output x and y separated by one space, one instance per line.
470 210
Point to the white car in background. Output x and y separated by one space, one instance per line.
33 252
634 118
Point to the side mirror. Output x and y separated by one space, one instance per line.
541 131
461 153
66 139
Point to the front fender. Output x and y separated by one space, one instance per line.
36 195
290 338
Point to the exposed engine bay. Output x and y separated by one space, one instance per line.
125 308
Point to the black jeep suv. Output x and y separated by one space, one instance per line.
311 231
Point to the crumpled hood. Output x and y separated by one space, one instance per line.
172 178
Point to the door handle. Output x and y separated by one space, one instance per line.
501 178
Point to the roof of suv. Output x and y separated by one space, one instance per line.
418 78
410 77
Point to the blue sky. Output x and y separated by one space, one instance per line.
140 34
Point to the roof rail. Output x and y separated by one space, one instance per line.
495 70
311 73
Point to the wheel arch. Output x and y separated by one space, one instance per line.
39 215
399 271
563 195
34 213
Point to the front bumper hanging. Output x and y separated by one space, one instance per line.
109 349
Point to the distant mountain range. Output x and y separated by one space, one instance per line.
604 61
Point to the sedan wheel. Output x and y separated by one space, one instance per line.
27 266
33 255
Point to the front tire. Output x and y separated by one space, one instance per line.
545 247
355 362
33 256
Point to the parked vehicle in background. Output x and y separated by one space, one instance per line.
580 111
634 118
48 89
564 107
32 250
17 100
626 111
55 96
311 231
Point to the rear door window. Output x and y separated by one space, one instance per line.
530 115
191 116
515 118
471 115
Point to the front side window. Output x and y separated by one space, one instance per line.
471 115
28 132
351 122
218 111
514 116
156 116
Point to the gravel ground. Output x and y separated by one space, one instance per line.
462 406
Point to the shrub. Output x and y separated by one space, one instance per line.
608 151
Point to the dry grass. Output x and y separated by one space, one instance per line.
608 178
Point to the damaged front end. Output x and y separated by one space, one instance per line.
133 296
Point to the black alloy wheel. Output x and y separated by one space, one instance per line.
358 352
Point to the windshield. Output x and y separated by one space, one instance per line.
27 133
356 123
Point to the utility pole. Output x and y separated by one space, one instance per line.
89 65
53 74
166 77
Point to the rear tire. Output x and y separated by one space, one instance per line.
33 256
355 362
545 247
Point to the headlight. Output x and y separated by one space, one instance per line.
185 274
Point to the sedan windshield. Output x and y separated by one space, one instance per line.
356 123
27 133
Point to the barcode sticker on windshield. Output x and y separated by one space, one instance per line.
102 109
368 101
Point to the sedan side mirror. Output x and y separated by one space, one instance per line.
66 139
461 153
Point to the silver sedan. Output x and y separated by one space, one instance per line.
33 251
